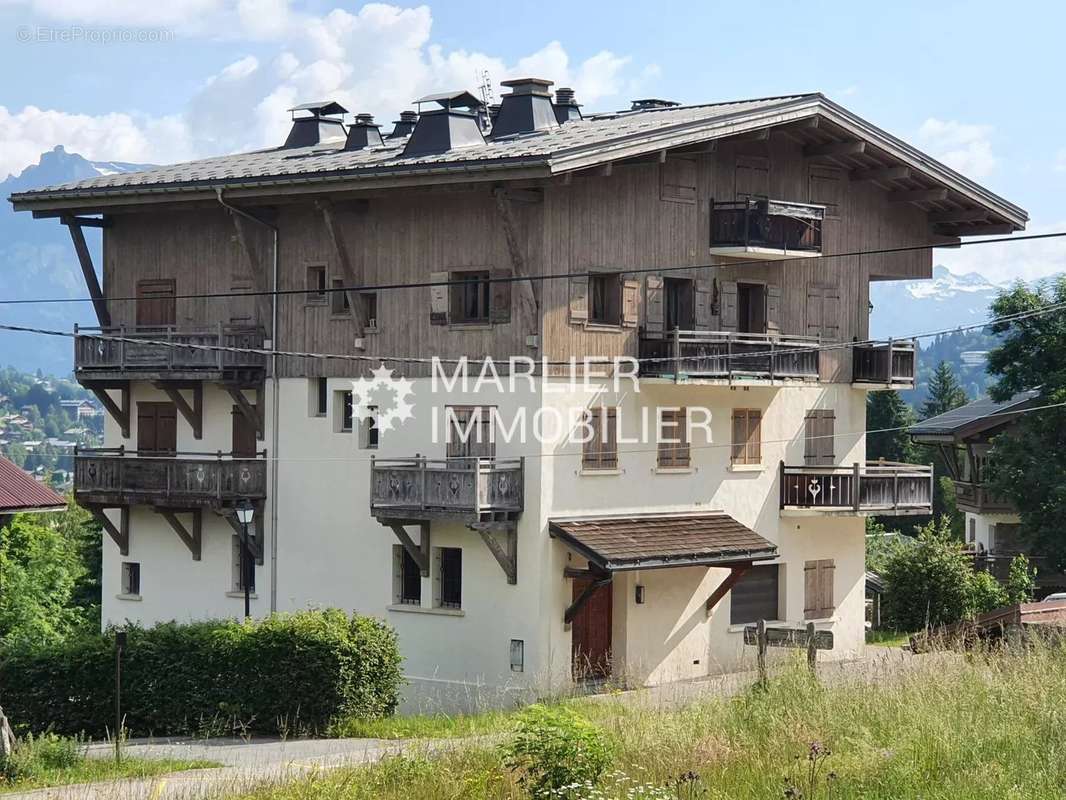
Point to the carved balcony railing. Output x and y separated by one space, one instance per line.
977 498
120 477
766 228
731 356
469 489
878 487
164 352
890 364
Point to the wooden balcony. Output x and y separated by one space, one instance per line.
683 355
169 353
118 477
766 229
885 365
876 488
470 490
979 499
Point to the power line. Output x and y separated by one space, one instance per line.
543 276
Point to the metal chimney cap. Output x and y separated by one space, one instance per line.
365 119
520 86
408 116
456 99
646 103
564 96
321 108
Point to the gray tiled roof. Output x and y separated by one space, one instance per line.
955 420
332 160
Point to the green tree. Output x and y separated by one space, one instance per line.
1020 580
945 392
1028 463
886 410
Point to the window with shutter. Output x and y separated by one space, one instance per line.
630 303
678 180
756 596
747 436
470 298
673 451
752 178
773 308
826 188
605 299
654 312
818 578
601 450
157 428
818 435
579 299
729 306
470 433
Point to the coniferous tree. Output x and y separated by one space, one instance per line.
886 411
945 392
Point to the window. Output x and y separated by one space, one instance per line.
243 434
605 299
370 306
131 578
680 304
752 178
747 436
971 525
316 284
318 396
470 433
240 568
338 300
156 303
450 571
818 589
368 430
342 412
673 438
818 438
157 428
470 299
755 596
751 308
601 450
407 583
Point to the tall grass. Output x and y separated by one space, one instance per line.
987 725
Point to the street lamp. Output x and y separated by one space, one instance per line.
245 512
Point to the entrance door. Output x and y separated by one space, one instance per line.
680 297
591 632
155 303
751 308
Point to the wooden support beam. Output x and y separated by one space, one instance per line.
528 292
255 540
918 196
85 222
833 149
507 559
352 276
419 552
194 414
984 230
880 174
940 240
254 414
260 278
760 135
85 260
192 539
121 534
525 195
584 597
730 580
958 215
120 412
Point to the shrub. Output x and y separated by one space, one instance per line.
36 756
554 749
1020 580
986 593
289 673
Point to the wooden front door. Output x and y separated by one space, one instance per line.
157 428
243 435
591 632
156 303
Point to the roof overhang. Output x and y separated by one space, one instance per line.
658 541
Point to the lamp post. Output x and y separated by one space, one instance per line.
245 512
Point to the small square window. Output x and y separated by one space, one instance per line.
407 582
450 575
342 412
242 570
338 300
470 299
131 578
316 284
605 299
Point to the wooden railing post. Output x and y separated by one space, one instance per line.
477 486
121 346
677 354
218 341
423 477
855 492
761 644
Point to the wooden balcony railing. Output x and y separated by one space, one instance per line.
878 487
776 225
891 364
116 476
979 499
717 354
153 351
463 488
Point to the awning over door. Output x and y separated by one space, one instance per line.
615 544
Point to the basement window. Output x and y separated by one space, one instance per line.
605 299
131 579
470 300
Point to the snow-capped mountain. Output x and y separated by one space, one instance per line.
37 260
901 308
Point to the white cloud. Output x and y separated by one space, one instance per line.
1060 161
1010 261
964 147
127 13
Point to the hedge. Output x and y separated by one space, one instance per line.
289 674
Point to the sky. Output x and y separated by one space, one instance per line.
975 84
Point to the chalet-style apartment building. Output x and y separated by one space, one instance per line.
730 246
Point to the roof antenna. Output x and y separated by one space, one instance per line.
483 81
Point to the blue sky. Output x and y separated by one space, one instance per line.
976 84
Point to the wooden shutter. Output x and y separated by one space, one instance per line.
752 177
438 298
814 311
156 303
826 576
678 180
630 303
674 426
831 314
654 318
579 299
826 188
609 455
157 427
747 436
810 590
500 297
243 434
601 451
729 305
703 291
773 308
819 438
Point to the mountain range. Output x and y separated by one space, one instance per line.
903 308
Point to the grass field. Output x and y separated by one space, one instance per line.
979 726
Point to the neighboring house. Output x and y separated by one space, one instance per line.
511 564
80 409
963 438
21 493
